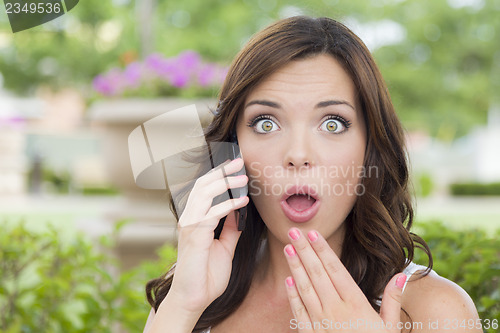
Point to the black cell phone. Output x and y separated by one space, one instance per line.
221 152
239 192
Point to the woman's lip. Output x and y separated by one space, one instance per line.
299 216
300 189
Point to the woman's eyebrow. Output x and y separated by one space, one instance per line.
323 104
265 103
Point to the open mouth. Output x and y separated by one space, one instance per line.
300 202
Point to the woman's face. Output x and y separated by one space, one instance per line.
302 132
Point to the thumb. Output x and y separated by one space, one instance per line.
390 309
230 234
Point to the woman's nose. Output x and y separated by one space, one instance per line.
299 152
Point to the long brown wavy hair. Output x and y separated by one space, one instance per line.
378 243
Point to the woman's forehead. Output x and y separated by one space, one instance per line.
309 81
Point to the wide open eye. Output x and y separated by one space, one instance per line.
335 124
264 124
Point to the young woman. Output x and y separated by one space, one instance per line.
327 244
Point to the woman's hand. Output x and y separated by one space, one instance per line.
324 297
204 264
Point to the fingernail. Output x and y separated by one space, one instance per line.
289 281
400 281
290 250
313 235
294 233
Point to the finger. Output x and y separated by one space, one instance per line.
222 170
304 284
201 197
230 234
224 208
390 308
298 309
201 230
314 268
211 219
342 280
203 194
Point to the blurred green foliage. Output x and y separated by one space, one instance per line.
59 181
470 258
75 285
51 284
424 185
64 52
475 189
104 190
443 73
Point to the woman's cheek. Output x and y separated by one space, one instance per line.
253 188
341 181
260 185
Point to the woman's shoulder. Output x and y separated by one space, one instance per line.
434 299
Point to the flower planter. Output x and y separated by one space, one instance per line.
115 120
153 223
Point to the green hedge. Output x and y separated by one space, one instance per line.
470 258
475 189
49 283
423 184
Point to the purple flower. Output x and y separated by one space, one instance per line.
207 75
222 74
188 60
132 74
179 78
103 85
15 122
167 70
115 80
154 62
183 72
